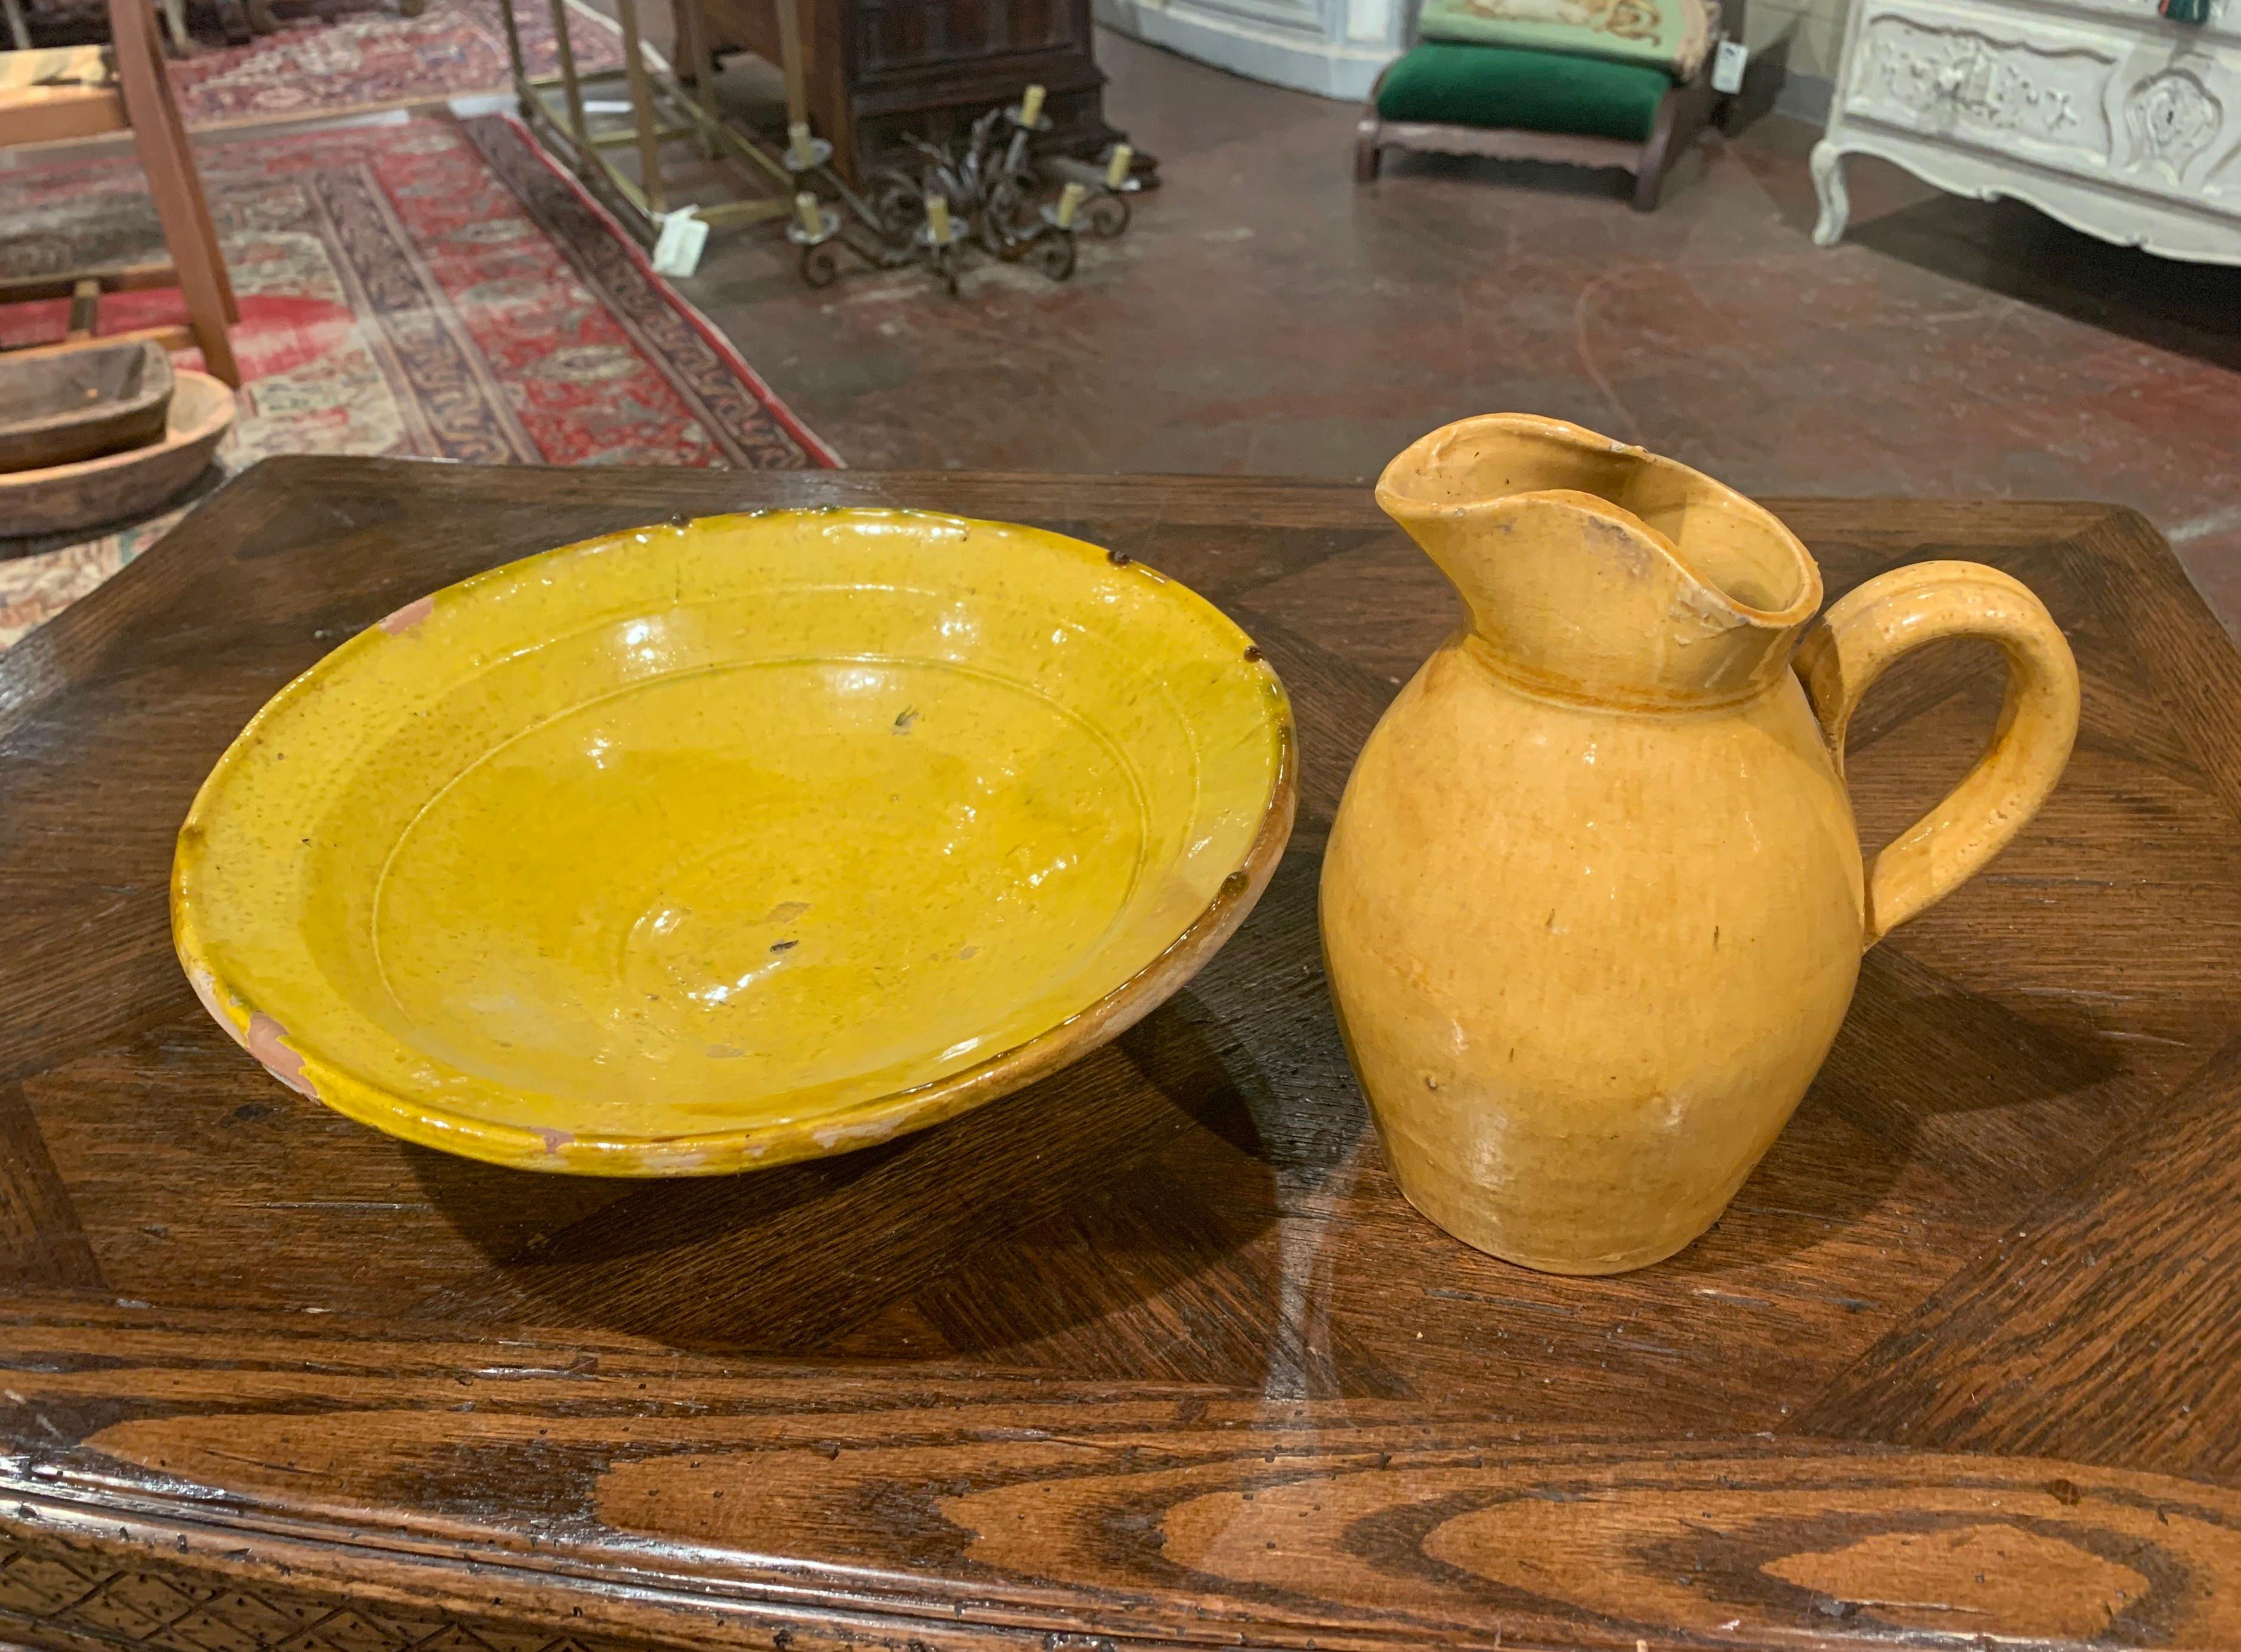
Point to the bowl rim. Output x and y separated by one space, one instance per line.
754 1146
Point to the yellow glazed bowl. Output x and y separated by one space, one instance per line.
699 848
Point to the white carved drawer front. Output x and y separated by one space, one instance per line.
2020 86
2156 111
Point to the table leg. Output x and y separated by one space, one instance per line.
693 52
1828 167
571 87
789 50
642 112
796 67
85 308
511 25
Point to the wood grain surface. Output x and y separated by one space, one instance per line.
1151 1352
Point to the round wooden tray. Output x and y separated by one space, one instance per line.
65 497
79 402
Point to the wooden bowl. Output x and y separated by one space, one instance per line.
700 848
63 498
60 405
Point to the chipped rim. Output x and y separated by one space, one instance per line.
757 1147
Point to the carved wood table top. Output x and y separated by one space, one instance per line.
1151 1352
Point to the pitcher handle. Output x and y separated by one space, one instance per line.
1859 638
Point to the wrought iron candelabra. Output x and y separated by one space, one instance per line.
994 197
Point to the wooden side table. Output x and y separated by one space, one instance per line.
874 70
661 110
1151 1353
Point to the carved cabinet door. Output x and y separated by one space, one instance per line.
2135 104
891 36
2018 84
2175 113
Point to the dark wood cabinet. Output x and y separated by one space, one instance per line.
879 70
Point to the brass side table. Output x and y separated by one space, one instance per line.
662 111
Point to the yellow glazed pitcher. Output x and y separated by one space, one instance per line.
1594 902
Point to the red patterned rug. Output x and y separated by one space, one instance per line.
417 287
357 61
356 57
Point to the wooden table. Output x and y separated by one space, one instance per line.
1151 1352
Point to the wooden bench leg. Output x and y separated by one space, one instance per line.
85 308
181 208
1681 114
197 199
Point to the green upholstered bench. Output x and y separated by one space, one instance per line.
1506 94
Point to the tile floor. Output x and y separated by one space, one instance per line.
1267 316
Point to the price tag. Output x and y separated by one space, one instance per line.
1728 66
683 234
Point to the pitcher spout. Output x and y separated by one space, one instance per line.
1595 570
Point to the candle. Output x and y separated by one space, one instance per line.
811 214
1116 169
937 218
1069 203
797 141
1031 107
